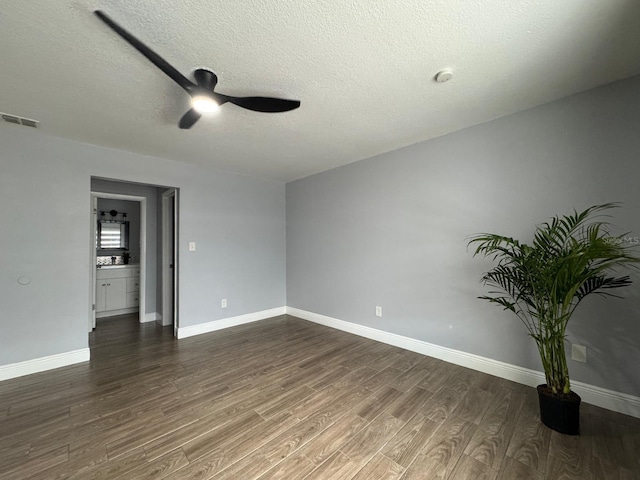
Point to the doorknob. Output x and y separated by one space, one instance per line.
171 265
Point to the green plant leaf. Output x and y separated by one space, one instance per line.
570 257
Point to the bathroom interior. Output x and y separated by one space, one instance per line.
117 257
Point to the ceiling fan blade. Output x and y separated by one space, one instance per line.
263 104
156 59
189 118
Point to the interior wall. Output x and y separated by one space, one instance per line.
158 258
238 223
392 230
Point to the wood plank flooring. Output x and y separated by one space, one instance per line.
288 399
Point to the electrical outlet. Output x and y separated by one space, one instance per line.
223 303
579 353
378 311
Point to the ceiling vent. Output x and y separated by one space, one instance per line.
27 122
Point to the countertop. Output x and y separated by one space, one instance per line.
111 267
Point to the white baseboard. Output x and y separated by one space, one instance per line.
184 332
609 399
151 317
601 397
42 364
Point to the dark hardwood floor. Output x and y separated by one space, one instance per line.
288 399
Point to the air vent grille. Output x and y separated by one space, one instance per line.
27 122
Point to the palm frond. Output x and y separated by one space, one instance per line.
570 257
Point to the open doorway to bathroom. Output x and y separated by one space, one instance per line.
134 265
119 276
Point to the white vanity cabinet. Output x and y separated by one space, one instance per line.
117 290
133 291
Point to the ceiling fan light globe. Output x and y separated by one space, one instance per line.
204 104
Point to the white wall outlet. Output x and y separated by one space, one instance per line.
579 353
192 246
378 311
223 303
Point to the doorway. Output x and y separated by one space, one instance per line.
158 258
123 288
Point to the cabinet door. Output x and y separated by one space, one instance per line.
133 300
133 284
101 295
116 293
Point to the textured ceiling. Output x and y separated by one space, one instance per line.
363 70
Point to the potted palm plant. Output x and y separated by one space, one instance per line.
571 257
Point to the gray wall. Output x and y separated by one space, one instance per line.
391 230
237 221
153 301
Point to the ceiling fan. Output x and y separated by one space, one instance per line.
203 98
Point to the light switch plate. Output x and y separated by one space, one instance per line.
192 246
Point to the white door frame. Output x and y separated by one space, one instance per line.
143 251
169 257
93 228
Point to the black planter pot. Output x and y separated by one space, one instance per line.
559 412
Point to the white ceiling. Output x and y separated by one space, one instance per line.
363 70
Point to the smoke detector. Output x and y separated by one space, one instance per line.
27 122
443 76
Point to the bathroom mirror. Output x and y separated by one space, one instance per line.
112 235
